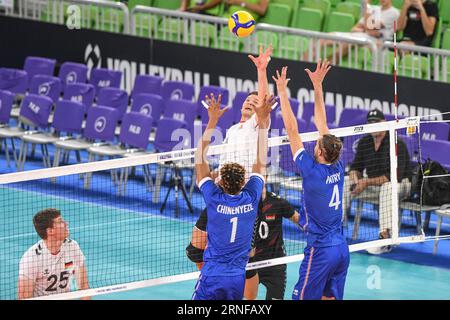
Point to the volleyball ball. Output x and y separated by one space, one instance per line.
241 24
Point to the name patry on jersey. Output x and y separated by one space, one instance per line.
52 274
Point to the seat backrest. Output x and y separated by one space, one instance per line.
102 78
101 123
46 86
167 4
144 83
176 90
39 65
349 7
35 110
278 128
446 40
434 131
13 80
72 72
352 117
181 110
6 102
275 115
163 138
277 14
340 22
68 116
135 129
80 92
308 19
115 98
148 104
206 91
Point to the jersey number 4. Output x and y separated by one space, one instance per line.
335 199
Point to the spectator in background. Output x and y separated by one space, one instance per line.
373 157
257 8
377 25
418 20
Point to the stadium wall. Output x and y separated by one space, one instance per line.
345 88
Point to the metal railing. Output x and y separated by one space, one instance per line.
96 14
416 61
289 43
209 31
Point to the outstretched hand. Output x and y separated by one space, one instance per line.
281 80
264 107
214 111
263 59
319 74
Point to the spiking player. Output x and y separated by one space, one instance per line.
231 212
326 260
49 266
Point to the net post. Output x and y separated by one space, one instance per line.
394 182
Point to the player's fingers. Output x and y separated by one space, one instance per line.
319 63
252 57
219 99
260 49
278 74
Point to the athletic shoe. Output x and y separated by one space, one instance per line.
379 250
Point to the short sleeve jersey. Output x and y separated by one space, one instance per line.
230 225
52 274
322 188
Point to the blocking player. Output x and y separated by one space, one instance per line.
49 266
268 244
231 212
326 256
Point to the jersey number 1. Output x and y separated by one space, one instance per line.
335 200
233 221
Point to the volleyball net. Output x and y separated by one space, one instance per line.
133 217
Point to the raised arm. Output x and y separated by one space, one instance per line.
25 288
289 119
320 117
214 114
263 115
261 63
82 281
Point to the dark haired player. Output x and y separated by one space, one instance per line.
231 212
268 244
326 260
49 266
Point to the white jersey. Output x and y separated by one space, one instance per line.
51 274
241 133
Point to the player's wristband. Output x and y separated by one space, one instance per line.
194 254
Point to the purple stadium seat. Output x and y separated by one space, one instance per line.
163 138
149 104
277 112
48 86
36 110
38 65
352 117
277 126
72 72
115 98
434 131
147 84
215 90
286 160
101 123
68 116
103 78
176 90
135 130
80 92
6 102
182 110
436 150
308 113
13 80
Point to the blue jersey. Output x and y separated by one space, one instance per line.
322 189
230 226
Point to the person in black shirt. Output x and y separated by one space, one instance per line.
373 157
418 19
267 244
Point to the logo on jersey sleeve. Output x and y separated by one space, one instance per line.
68 265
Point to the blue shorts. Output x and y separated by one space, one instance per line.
322 273
219 288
